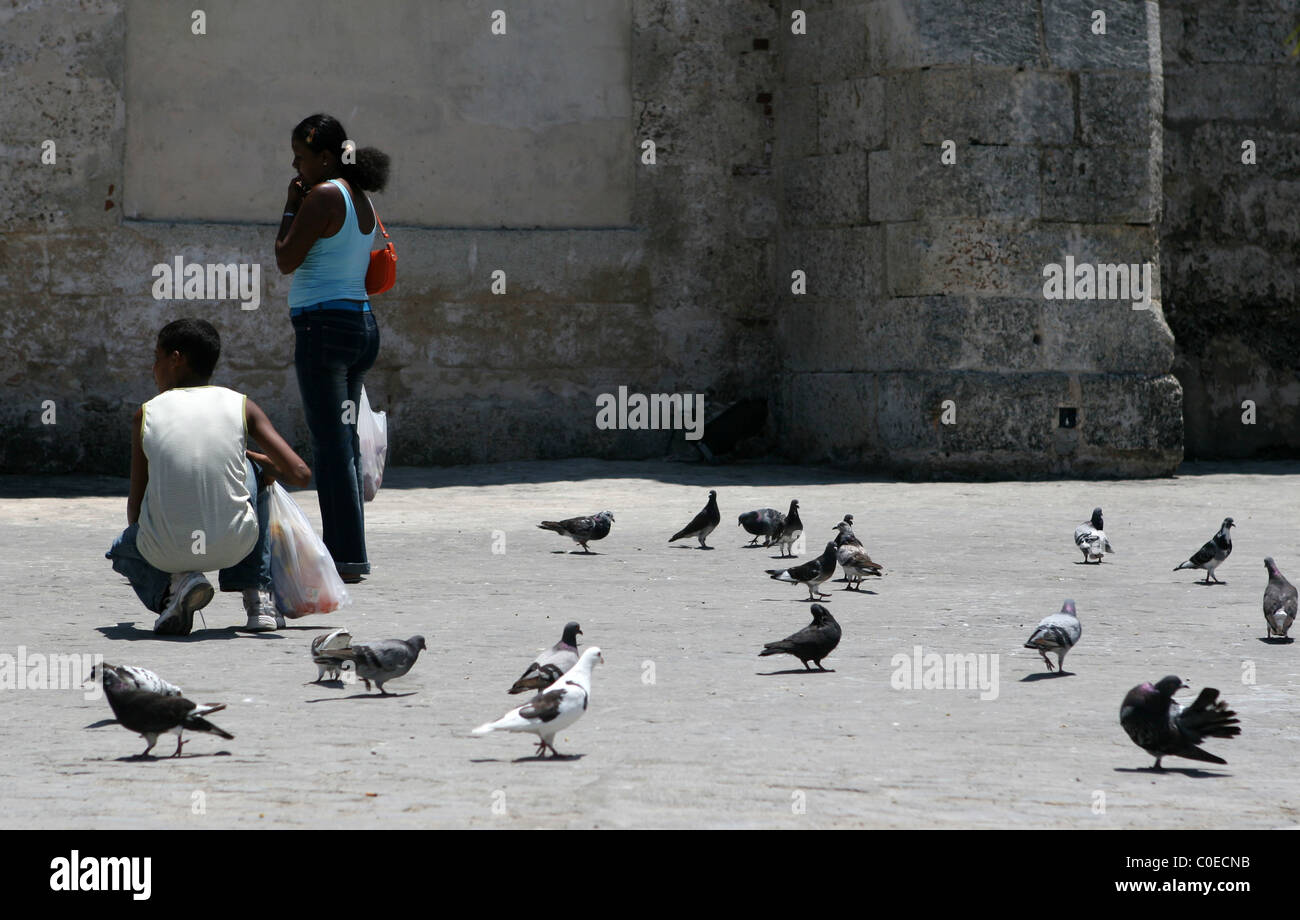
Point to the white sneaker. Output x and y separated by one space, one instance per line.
260 607
190 591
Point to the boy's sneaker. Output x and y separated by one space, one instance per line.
260 607
190 591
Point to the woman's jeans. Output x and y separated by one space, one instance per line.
253 571
333 351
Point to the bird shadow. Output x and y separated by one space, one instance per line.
155 758
793 671
1045 675
131 633
333 683
860 591
533 759
361 696
1276 640
1193 772
578 552
101 723
1211 584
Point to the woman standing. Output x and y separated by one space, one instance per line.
325 238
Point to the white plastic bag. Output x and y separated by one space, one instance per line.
372 429
303 577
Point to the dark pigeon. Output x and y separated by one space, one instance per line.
552 663
1090 538
703 523
812 643
790 529
1279 601
853 558
152 714
582 529
382 661
765 523
1212 554
1163 728
810 573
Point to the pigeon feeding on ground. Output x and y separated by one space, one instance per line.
703 523
555 708
791 528
551 664
326 666
1163 728
765 523
1057 633
150 714
1091 539
582 529
1212 554
382 661
852 557
811 573
812 643
133 678
1279 601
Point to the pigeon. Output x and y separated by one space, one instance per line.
1212 554
1090 538
811 573
555 708
765 523
703 523
582 529
852 557
1162 728
382 661
326 667
152 714
1279 601
812 643
133 678
552 663
790 530
845 527
1057 633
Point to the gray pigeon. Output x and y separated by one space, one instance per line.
765 523
326 667
1163 728
809 574
1057 633
150 714
382 661
551 665
812 643
703 523
1212 554
582 529
790 530
1279 601
853 559
1090 538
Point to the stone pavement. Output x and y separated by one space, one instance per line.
687 727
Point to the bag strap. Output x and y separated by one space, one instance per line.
375 211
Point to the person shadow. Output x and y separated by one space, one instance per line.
129 632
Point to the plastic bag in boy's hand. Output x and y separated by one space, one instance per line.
303 577
372 432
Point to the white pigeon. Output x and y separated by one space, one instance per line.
326 666
1057 633
1091 540
133 678
555 708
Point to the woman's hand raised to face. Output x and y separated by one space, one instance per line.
297 192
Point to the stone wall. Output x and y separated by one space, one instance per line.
925 280
1231 231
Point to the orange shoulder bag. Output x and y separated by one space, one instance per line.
382 273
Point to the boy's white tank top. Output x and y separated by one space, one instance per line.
194 439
